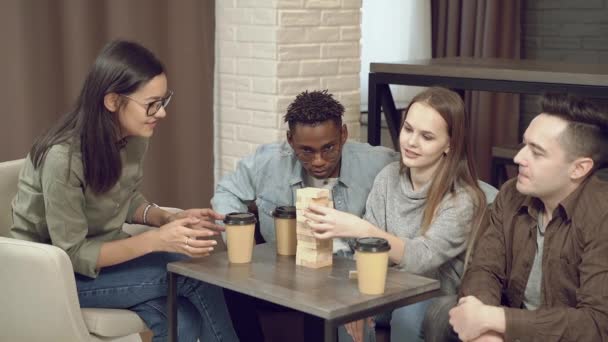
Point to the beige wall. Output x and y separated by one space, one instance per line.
269 51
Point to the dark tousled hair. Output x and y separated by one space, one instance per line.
122 67
587 132
312 108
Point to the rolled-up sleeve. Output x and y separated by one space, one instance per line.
64 202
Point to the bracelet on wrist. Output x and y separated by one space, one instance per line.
146 209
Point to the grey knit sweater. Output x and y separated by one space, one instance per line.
394 206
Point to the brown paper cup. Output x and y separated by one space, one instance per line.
286 236
372 265
240 229
285 230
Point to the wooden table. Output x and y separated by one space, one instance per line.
491 74
325 295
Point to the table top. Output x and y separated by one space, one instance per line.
325 292
501 69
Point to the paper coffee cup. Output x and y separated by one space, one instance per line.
285 229
372 264
240 229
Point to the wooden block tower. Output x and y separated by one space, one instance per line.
311 252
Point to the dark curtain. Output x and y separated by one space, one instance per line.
49 45
482 29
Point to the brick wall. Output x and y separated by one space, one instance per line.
268 51
572 31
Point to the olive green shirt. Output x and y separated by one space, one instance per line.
54 204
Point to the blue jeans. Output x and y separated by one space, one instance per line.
140 285
405 322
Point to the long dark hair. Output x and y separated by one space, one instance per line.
456 167
122 67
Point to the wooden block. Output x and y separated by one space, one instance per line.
317 244
304 253
311 264
304 230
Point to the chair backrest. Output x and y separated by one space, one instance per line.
38 294
9 176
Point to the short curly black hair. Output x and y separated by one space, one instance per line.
312 108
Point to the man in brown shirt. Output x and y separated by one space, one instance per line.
540 268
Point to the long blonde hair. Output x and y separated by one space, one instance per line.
456 166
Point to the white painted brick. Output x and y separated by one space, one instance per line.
228 164
256 34
349 98
256 3
283 102
318 67
225 3
351 3
299 52
264 119
257 67
337 83
257 135
236 16
235 148
227 32
227 99
233 83
298 85
352 114
286 69
263 16
227 131
226 65
350 33
299 18
321 3
264 50
260 102
351 17
349 66
234 115
291 35
289 3
354 130
322 34
233 49
281 124
332 50
265 85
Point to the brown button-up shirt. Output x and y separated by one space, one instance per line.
574 289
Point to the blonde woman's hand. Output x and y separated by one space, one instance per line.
330 223
177 236
356 329
206 216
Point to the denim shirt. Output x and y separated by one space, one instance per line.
272 174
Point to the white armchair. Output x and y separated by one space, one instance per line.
38 291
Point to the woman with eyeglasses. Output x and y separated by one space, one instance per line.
425 206
80 184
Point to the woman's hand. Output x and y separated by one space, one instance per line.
356 329
177 236
207 218
329 223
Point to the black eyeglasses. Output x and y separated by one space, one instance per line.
154 106
330 152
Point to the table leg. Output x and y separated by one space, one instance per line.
373 112
172 305
319 329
